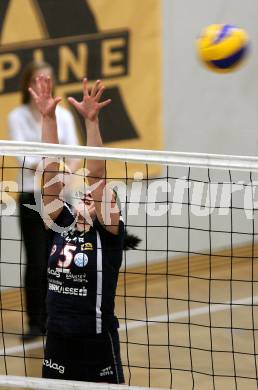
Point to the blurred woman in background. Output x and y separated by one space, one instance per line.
24 124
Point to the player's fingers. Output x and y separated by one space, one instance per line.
33 94
43 83
38 85
49 85
99 93
95 88
105 103
57 100
74 103
85 87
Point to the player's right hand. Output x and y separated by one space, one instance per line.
43 98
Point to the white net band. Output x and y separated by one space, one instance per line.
48 384
242 163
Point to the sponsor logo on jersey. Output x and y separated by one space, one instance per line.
81 259
54 366
77 278
87 246
53 272
57 271
55 282
63 270
68 275
106 371
82 292
74 239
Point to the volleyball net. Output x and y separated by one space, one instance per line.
187 295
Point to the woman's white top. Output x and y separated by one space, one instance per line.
23 126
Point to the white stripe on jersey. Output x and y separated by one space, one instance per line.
99 286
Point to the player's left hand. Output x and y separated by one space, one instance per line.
90 106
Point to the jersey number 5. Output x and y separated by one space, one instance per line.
68 253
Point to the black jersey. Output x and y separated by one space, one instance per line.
83 270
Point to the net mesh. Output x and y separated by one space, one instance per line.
186 297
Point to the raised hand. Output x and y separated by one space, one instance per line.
42 96
90 105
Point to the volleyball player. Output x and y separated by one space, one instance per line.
82 337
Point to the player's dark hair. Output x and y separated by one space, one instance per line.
27 76
130 241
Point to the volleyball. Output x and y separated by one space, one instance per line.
222 47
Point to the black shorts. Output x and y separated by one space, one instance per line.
93 359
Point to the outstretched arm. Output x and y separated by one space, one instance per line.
104 198
46 105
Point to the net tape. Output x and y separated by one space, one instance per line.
48 384
243 163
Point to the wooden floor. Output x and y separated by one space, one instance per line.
172 349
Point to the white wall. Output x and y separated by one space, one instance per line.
204 111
